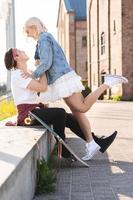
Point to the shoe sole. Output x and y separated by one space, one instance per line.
125 80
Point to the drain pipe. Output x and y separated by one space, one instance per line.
109 44
90 6
98 57
109 39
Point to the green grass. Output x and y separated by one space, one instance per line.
116 97
46 178
7 109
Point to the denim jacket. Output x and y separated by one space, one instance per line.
52 58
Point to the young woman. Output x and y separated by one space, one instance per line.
62 80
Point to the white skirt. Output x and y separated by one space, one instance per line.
63 87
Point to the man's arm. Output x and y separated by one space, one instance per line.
38 85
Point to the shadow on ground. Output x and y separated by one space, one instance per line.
105 179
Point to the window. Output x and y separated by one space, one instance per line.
84 41
102 43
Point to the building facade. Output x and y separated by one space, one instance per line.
110 43
72 34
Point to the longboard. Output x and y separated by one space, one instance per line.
51 131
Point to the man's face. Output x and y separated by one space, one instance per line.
20 55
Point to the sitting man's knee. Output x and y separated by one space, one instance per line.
61 112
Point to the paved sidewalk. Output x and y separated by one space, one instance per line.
110 176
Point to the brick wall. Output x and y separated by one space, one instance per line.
70 33
114 19
81 49
127 47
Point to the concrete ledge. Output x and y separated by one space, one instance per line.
20 147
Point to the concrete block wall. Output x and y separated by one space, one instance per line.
20 149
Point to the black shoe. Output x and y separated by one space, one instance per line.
104 142
65 152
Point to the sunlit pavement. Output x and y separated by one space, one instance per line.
110 176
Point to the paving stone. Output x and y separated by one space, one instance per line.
110 176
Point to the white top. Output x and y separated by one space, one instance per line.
21 94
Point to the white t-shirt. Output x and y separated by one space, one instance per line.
20 92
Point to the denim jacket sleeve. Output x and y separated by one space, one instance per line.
46 56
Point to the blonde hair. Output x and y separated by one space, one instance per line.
34 21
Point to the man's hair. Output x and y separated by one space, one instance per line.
9 61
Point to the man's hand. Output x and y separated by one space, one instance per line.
26 75
37 62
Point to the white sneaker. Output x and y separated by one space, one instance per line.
91 149
112 80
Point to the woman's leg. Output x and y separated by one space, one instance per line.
103 142
73 125
84 125
78 103
91 146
